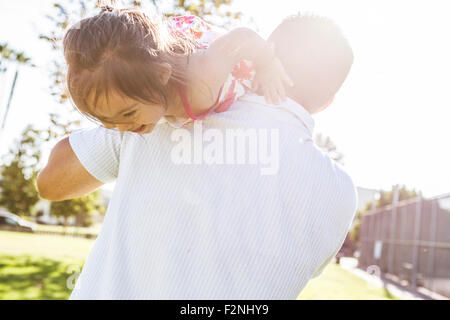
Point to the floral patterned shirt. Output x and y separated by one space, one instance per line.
238 81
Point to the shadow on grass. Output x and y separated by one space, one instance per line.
27 277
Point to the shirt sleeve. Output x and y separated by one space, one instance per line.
344 213
98 150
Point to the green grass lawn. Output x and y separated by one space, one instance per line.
39 266
336 283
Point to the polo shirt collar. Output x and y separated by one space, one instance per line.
289 105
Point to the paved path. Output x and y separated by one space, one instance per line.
372 277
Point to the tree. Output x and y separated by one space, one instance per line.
9 54
59 128
64 15
81 208
18 192
386 198
213 11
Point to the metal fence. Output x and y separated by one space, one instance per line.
410 242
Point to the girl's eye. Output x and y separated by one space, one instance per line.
129 114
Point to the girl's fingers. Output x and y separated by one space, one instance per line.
267 97
278 91
272 84
255 86
285 77
281 91
287 80
274 95
283 74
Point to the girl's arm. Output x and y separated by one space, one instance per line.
218 61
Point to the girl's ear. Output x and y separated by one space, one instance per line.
165 73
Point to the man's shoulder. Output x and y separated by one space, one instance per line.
251 110
290 106
325 183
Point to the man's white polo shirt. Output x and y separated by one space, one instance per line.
220 230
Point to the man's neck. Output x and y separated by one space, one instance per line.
301 102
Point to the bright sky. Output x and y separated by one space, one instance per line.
390 119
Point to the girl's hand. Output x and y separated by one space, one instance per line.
271 81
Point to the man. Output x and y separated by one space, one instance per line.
240 206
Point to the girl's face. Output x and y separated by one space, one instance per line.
127 114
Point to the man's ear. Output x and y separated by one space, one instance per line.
165 73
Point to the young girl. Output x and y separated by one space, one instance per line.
131 72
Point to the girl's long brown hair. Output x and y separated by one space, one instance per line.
122 50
